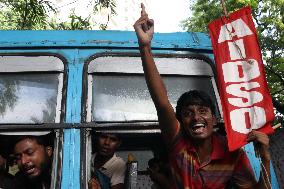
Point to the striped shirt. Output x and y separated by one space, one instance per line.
222 167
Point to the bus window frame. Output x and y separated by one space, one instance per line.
143 127
86 102
56 127
62 84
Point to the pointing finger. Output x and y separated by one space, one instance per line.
143 12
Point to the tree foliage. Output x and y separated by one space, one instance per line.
269 19
26 14
75 23
34 15
105 4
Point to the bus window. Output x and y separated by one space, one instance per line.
141 146
30 89
31 96
117 90
118 101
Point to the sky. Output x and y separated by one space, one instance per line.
167 14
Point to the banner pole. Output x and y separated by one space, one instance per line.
224 8
276 126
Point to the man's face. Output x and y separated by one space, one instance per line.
197 121
33 159
108 144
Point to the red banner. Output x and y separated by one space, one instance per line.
245 98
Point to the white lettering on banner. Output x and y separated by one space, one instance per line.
246 97
236 28
237 53
231 71
256 116
247 116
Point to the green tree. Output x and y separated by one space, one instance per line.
34 15
269 18
105 4
26 14
75 23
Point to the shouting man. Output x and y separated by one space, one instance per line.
34 157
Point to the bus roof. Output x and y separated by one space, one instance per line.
95 39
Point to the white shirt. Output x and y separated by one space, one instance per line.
114 168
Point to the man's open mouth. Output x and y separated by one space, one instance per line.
29 170
198 127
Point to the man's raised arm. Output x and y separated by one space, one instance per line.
144 28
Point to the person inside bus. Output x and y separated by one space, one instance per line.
199 157
34 158
108 170
6 179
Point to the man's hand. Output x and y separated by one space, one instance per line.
261 147
94 184
261 144
144 28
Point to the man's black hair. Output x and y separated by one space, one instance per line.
98 134
44 140
194 97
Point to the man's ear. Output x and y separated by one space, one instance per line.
49 151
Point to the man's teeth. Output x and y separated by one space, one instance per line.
29 169
199 125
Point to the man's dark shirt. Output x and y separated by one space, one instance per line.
22 182
6 180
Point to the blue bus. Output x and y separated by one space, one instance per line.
75 83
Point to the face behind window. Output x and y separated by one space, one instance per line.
33 159
107 144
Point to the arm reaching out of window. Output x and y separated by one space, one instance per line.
144 28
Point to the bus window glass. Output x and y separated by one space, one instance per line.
118 91
126 98
28 98
30 89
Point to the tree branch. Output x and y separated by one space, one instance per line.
281 80
279 107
